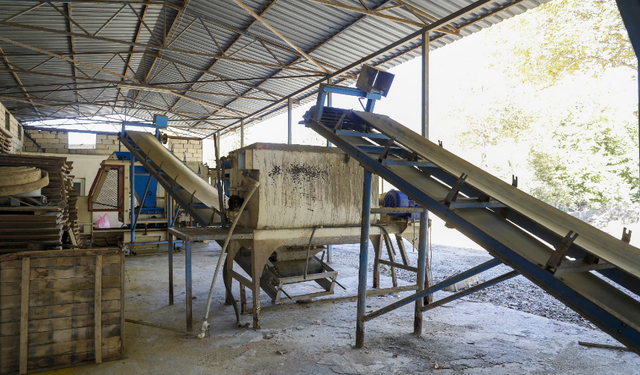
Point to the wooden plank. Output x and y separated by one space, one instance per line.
51 285
10 302
10 328
24 316
593 240
98 309
71 309
59 253
76 321
50 298
55 261
61 348
73 334
61 272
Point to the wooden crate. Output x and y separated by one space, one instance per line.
57 311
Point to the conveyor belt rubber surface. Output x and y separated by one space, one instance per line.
594 273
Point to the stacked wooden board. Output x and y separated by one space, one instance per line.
40 227
60 308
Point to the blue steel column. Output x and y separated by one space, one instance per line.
364 258
420 277
170 246
188 284
132 194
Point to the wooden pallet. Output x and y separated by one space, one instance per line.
60 308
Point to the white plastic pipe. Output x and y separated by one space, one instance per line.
205 324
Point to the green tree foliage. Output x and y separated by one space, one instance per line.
566 37
564 97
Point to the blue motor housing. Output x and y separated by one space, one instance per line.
398 199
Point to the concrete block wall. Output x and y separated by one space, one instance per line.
57 142
15 129
186 149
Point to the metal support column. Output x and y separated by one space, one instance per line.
241 133
420 277
425 85
364 258
132 193
329 104
290 122
188 284
424 217
170 246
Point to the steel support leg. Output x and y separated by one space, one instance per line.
170 250
420 277
188 284
364 257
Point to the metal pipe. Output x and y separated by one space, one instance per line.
241 133
420 277
425 84
450 281
306 264
144 195
364 258
132 194
205 324
471 290
188 285
290 120
170 245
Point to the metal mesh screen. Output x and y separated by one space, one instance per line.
108 195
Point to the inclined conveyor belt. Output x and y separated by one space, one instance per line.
191 192
590 271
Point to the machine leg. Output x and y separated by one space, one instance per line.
243 299
420 277
364 257
170 249
377 245
188 285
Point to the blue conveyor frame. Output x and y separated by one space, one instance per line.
524 244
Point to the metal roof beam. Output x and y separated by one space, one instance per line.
223 52
375 13
281 36
19 81
418 34
71 61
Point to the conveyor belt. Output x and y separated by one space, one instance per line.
534 238
193 194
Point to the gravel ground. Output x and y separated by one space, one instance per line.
517 293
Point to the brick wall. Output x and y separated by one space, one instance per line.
15 130
57 142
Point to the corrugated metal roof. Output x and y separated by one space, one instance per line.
207 64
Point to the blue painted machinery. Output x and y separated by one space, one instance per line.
398 199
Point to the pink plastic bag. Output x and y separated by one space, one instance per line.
103 222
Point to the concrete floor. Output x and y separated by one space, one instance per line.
460 338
